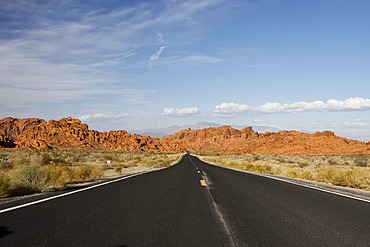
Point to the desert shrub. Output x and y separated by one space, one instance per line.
20 161
303 164
292 174
46 159
59 175
233 164
82 173
299 174
73 158
4 185
306 175
5 164
158 160
28 179
266 169
361 160
256 157
104 167
333 162
154 163
130 163
263 169
118 169
342 177
85 173
62 175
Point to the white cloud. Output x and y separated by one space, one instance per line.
356 103
270 108
181 112
231 108
350 104
101 116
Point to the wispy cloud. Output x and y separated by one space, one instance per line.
350 104
181 112
160 38
156 56
189 59
65 50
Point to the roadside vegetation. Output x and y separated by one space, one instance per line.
342 170
26 172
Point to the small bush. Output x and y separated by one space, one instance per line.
303 164
46 159
86 173
104 167
362 161
20 161
306 175
59 175
342 177
28 179
4 186
5 164
118 169
233 164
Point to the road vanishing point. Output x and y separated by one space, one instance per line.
191 203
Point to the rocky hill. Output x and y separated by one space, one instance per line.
11 128
72 133
226 139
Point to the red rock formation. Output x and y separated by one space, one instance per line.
72 133
11 128
226 139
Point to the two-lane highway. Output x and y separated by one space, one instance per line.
163 208
172 207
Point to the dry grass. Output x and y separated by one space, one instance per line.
347 170
25 172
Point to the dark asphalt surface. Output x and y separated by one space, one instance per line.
169 207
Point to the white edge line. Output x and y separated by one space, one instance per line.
72 192
290 182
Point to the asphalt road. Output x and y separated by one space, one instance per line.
170 207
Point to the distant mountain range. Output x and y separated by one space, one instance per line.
162 132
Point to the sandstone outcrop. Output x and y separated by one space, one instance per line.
11 128
72 133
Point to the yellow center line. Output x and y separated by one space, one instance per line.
203 183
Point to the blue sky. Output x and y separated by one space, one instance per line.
295 65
